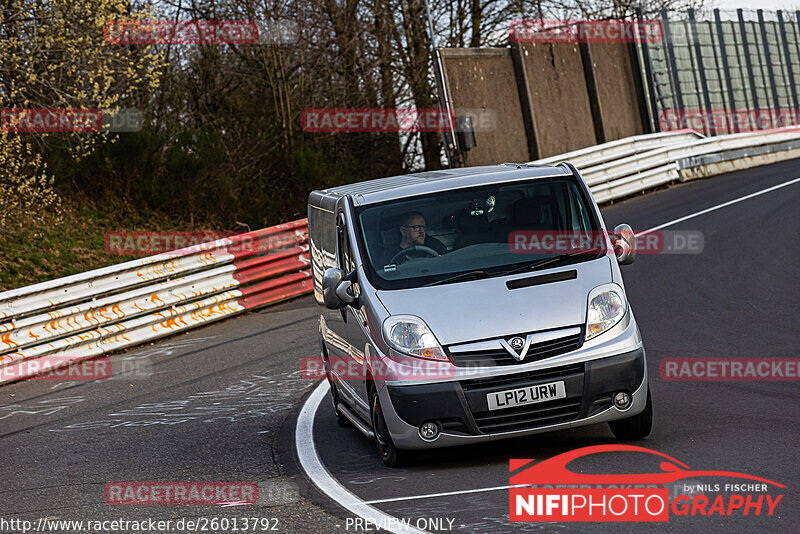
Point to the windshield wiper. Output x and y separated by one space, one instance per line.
471 275
538 264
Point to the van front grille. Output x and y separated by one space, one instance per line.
496 357
521 379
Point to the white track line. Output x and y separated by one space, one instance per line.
312 465
719 206
445 494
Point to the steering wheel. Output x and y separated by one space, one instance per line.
416 248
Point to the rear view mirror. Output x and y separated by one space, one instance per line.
335 292
624 244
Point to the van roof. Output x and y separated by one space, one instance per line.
422 183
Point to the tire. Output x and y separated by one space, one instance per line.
389 453
636 427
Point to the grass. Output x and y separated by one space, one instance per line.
37 252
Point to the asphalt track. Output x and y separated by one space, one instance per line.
221 402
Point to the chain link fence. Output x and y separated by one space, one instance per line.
722 71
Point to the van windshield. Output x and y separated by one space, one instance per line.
478 232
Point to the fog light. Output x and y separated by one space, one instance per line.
428 431
622 400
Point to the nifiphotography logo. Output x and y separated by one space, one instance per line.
549 491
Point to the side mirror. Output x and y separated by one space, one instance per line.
624 244
335 289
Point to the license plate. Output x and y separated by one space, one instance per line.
526 395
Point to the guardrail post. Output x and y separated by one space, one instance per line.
525 100
797 36
638 82
789 69
748 61
592 90
669 46
649 78
726 68
701 67
768 57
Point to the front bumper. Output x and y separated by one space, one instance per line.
460 408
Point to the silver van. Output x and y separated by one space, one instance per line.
459 308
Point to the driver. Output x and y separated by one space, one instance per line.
412 230
413 233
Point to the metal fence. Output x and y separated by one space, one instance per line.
723 71
85 315
632 165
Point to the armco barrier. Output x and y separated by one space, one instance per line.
585 158
626 166
92 313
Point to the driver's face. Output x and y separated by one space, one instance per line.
413 231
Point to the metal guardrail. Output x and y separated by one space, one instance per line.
620 148
634 164
96 312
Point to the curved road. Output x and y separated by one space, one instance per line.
221 402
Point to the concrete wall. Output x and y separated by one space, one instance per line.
559 97
483 80
617 92
570 108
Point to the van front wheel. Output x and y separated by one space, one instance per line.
390 454
636 427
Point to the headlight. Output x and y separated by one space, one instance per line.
410 335
607 307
